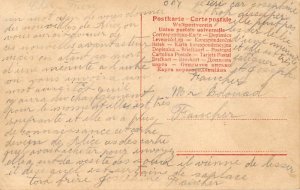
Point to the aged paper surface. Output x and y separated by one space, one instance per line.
161 94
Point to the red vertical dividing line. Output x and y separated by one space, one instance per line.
141 74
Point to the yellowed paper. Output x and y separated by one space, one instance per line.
162 94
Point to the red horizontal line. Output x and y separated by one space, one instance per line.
212 97
231 154
228 151
246 119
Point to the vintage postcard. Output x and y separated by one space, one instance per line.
149 95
